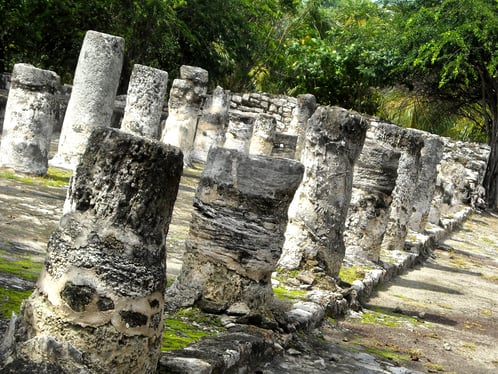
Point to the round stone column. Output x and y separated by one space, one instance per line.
91 104
263 135
30 116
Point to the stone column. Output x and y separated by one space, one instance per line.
314 236
430 156
184 105
30 116
410 144
144 102
306 106
263 135
239 132
374 179
98 305
212 124
95 83
237 231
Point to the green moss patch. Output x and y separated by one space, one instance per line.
20 265
350 274
187 326
10 301
379 316
55 177
283 293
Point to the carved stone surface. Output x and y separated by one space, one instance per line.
306 106
237 231
96 81
239 131
30 115
185 100
263 135
144 102
100 294
314 236
212 124
375 175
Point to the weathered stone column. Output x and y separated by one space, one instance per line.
263 135
314 236
144 102
184 105
239 132
30 116
409 143
95 83
212 124
237 231
430 156
98 305
374 179
306 106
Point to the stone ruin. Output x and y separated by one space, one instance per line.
360 189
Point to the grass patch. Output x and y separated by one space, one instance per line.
492 278
405 298
470 346
55 177
10 301
350 274
187 326
23 266
379 316
283 293
388 354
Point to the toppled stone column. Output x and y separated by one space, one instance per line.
314 236
410 144
185 100
212 124
236 233
98 305
96 81
374 179
306 106
430 156
263 135
144 102
30 116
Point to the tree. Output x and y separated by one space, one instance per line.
450 50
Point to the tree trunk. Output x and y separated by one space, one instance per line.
491 177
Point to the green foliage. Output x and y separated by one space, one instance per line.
23 266
55 177
283 293
11 300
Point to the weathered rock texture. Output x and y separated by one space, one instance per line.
144 102
306 106
237 231
430 157
459 180
375 175
185 100
314 236
212 124
263 135
98 306
239 132
409 143
30 116
96 81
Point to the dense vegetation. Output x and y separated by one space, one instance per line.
430 64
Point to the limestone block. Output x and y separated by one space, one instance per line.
237 230
30 115
306 106
101 289
212 124
96 81
184 105
239 131
144 102
263 135
314 236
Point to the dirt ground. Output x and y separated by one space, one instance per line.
441 316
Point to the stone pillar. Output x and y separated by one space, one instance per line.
144 102
306 106
239 132
184 105
263 135
30 115
374 179
410 144
430 156
212 124
91 104
98 305
314 236
237 231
